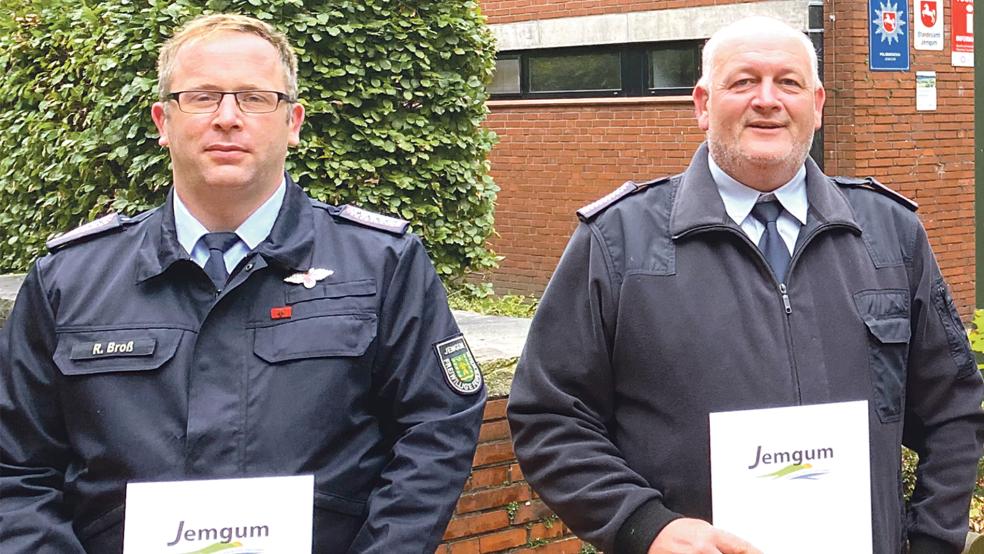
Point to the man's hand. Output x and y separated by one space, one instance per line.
695 536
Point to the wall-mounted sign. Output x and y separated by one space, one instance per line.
888 38
962 33
928 23
926 91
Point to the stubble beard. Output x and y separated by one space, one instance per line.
741 166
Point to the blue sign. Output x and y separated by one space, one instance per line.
888 35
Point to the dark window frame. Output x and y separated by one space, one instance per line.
634 69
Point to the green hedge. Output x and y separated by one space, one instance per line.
394 91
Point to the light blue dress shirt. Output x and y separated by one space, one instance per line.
739 200
251 232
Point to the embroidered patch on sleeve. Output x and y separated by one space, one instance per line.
461 371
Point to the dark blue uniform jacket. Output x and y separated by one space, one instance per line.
348 388
669 312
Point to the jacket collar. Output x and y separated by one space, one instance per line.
697 203
290 243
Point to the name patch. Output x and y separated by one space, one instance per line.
461 371
113 349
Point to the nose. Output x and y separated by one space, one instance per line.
228 115
766 96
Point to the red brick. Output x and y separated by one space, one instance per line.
570 545
488 477
463 526
515 473
494 430
531 511
492 498
502 540
551 530
495 409
465 547
493 452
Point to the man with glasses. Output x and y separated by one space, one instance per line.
241 329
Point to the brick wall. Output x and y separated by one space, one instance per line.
554 158
509 11
873 128
498 511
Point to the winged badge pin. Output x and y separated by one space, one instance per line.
310 277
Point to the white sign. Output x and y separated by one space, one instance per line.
928 19
780 474
272 515
926 91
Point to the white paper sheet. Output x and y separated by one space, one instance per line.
271 515
794 479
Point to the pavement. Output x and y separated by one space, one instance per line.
491 338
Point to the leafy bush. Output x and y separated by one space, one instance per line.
509 305
976 336
394 91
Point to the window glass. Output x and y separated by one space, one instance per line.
506 78
673 67
575 72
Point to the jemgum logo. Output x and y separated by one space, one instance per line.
224 534
796 462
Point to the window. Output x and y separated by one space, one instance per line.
652 69
672 67
575 72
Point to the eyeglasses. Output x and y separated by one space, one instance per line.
207 101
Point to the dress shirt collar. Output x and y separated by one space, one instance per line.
739 199
252 231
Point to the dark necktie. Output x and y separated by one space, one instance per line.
771 244
217 244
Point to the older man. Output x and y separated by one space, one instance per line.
241 329
751 280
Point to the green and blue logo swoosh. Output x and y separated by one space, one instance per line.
796 471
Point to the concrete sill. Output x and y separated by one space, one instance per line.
557 102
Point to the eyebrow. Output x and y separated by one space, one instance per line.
210 86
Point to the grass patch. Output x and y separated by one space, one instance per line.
483 302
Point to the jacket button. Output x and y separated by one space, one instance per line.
249 266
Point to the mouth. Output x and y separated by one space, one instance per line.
224 148
766 125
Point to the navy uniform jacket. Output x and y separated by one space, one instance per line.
669 312
349 387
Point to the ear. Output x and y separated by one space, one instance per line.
701 97
294 122
159 116
819 97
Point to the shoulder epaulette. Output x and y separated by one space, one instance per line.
96 227
386 223
627 188
872 184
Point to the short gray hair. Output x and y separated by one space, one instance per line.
756 24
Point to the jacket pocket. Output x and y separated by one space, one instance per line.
956 335
314 337
95 351
886 315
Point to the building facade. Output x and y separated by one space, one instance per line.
572 127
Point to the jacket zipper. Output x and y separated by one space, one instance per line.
783 290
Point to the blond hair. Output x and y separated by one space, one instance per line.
203 26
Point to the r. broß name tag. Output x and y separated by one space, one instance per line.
271 515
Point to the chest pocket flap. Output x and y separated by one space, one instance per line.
314 337
886 315
362 287
89 352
